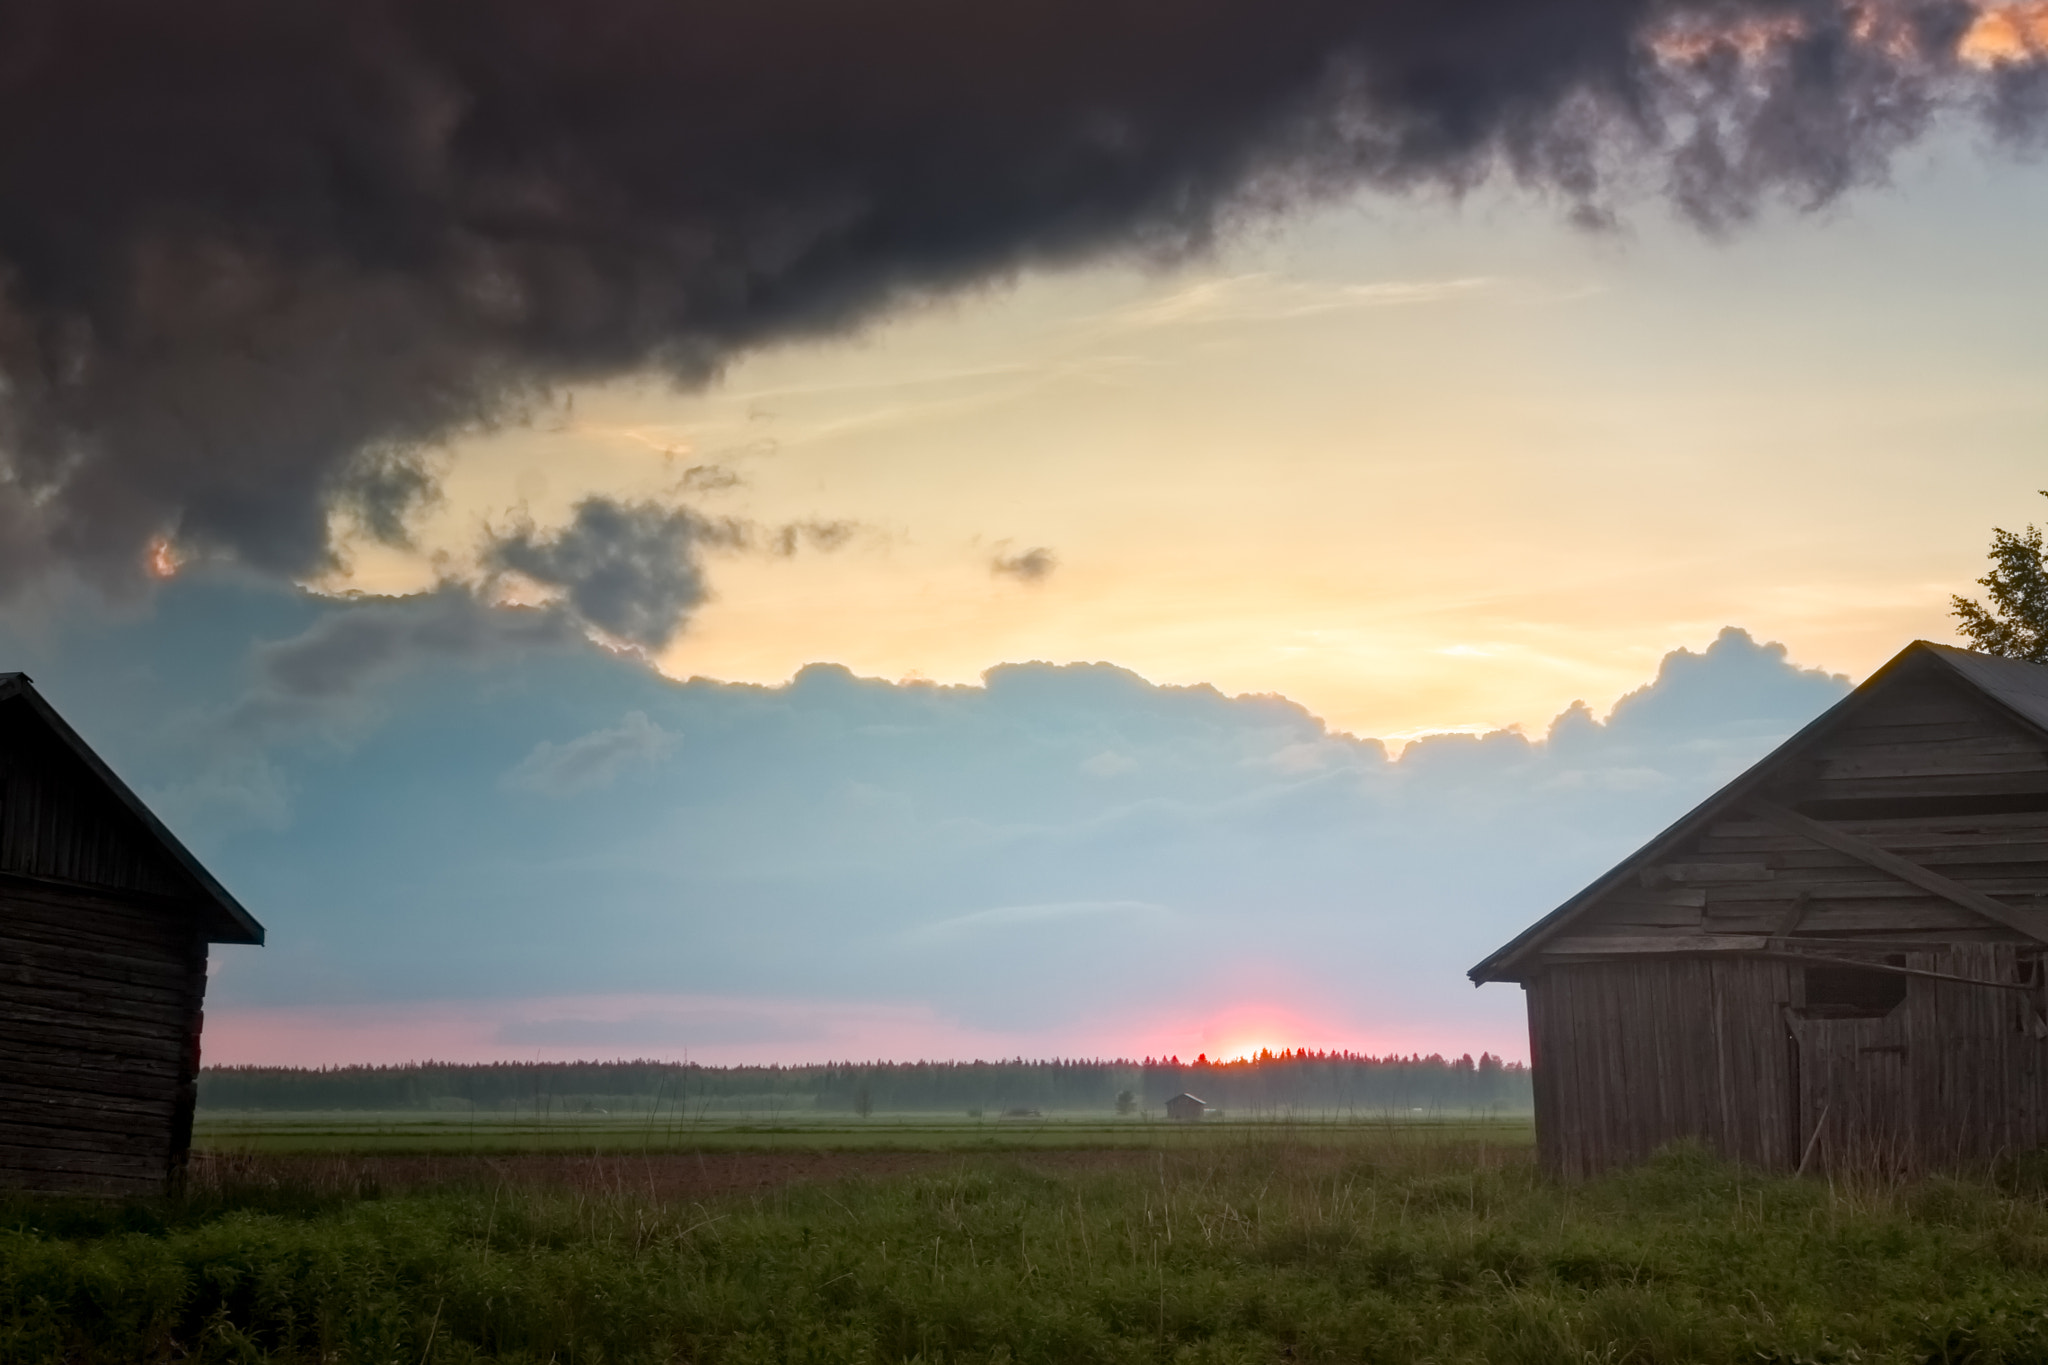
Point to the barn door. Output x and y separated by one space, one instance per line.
1850 1070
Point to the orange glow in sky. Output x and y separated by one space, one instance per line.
2006 33
162 560
1242 1031
2000 33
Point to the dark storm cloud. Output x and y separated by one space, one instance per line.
257 259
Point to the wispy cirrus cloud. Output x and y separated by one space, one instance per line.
1268 298
593 760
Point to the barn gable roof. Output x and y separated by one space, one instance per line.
233 923
2014 687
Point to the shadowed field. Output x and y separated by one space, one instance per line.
413 1132
1226 1244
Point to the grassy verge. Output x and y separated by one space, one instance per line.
1260 1249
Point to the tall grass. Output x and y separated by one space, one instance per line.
1259 1251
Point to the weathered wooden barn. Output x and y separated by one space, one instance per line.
1835 960
105 920
1186 1108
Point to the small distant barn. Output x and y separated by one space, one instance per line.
1186 1108
1835 960
104 925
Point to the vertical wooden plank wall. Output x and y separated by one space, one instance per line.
1955 1075
1633 1055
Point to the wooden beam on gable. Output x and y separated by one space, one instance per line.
1793 914
1904 869
1624 945
1817 953
1698 874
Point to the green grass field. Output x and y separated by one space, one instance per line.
1237 1243
414 1132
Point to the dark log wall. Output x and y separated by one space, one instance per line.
102 970
99 1019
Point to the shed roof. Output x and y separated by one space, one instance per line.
2021 687
2015 686
234 924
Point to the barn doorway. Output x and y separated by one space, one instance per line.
1850 1077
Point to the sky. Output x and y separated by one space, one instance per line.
647 539
1417 466
535 848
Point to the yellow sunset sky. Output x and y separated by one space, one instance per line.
1419 467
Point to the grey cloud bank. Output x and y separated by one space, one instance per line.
1061 852
632 570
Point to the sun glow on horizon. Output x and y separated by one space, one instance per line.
1242 1032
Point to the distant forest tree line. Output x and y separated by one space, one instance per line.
1272 1083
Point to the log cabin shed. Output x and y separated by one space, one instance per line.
1836 960
105 920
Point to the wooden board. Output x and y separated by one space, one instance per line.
58 821
1633 1054
1630 1056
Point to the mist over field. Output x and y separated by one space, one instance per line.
1287 1085
526 847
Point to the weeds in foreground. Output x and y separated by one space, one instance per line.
1267 1251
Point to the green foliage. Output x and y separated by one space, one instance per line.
2015 624
1262 1251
